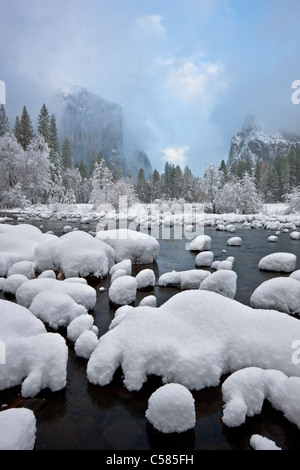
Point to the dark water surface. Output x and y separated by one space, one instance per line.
88 417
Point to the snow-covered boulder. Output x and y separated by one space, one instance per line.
234 241
17 243
13 282
295 275
281 293
79 325
17 429
122 291
272 238
56 309
125 264
34 358
85 344
295 235
75 254
118 273
145 278
280 262
193 339
222 282
82 293
149 300
204 259
245 391
139 247
22 267
200 243
189 279
171 408
258 442
48 273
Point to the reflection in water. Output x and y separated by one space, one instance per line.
88 417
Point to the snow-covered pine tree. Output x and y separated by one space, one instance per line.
250 201
4 123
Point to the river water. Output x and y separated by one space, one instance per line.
88 417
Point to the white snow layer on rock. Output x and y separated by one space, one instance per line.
200 243
204 259
149 300
295 235
234 241
222 282
125 265
17 243
145 278
281 293
82 293
245 391
122 291
57 309
139 247
17 429
258 442
189 279
34 358
22 267
79 325
171 408
13 282
192 339
295 275
279 262
75 254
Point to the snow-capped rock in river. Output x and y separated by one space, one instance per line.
139 247
280 293
18 242
245 391
17 429
75 254
171 408
193 339
279 262
34 358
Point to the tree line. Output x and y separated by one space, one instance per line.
36 168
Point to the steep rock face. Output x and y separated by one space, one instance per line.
258 144
92 125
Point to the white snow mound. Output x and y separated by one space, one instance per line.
279 262
192 339
139 247
171 408
75 254
17 429
281 293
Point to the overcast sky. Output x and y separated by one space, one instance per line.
186 72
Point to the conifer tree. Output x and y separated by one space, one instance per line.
4 124
54 147
23 129
142 187
66 155
44 123
155 186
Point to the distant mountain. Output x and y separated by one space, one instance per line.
257 143
95 125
